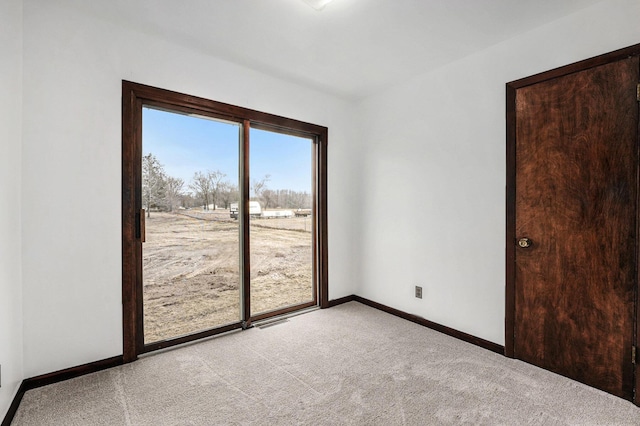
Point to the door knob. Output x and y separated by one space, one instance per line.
524 242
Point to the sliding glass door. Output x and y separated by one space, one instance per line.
191 253
224 217
281 246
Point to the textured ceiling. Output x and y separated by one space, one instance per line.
350 48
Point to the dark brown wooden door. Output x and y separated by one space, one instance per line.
576 180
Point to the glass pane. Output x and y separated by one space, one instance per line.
281 221
191 257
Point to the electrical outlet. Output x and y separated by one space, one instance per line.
419 292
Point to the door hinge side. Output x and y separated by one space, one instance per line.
634 355
638 92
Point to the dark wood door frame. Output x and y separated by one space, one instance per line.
134 96
510 292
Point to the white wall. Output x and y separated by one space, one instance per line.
433 169
10 125
73 67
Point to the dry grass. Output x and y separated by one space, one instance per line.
191 270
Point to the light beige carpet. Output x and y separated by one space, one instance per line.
348 365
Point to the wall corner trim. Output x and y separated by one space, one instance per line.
474 340
340 301
13 408
55 377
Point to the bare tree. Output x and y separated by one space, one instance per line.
187 199
259 186
229 193
153 183
299 200
201 185
173 192
287 198
215 179
270 198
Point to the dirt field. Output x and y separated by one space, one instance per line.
191 270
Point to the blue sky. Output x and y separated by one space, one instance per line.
185 144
